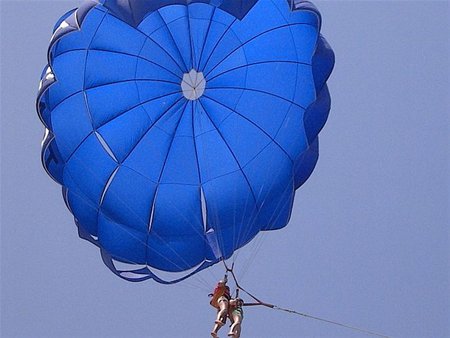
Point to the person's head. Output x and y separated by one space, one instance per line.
222 282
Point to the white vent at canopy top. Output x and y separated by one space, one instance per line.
193 85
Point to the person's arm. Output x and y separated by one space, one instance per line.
215 297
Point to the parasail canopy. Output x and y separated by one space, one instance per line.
180 129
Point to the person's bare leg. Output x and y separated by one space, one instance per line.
216 329
222 314
235 330
238 331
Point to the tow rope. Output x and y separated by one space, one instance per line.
258 302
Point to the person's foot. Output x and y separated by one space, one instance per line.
213 334
231 334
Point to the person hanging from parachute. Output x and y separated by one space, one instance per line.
220 299
227 306
236 315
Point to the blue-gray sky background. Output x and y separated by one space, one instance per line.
368 242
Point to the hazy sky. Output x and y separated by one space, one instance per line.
368 243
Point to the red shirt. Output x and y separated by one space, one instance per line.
219 291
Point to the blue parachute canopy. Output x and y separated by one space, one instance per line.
179 129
